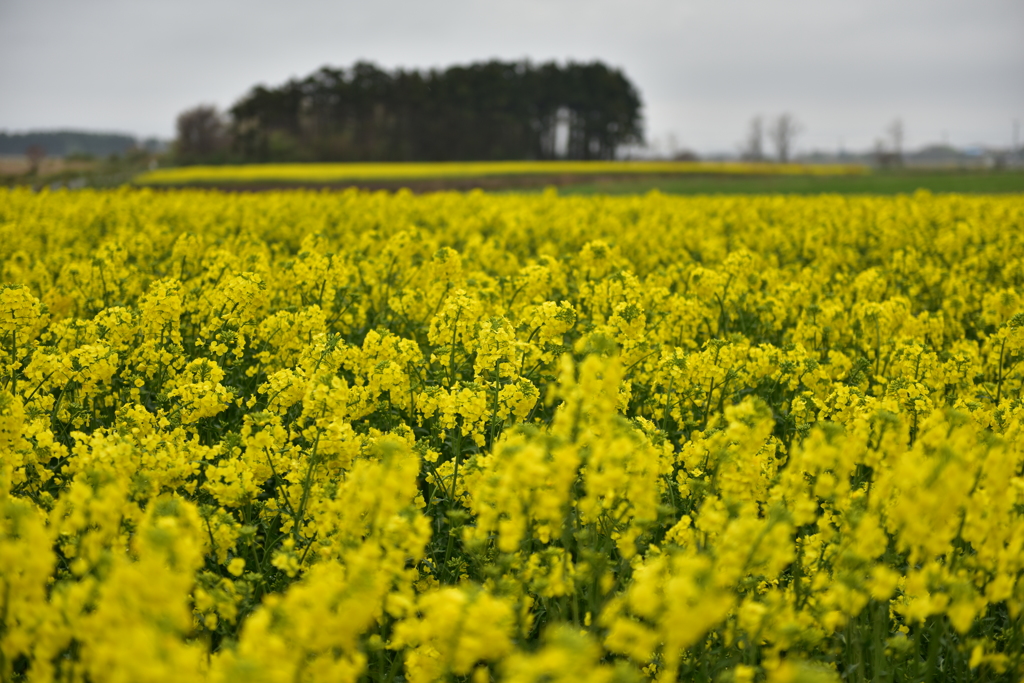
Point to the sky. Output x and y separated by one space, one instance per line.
951 70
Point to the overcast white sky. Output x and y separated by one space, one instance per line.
951 69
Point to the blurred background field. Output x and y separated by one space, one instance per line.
349 172
141 168
595 178
903 181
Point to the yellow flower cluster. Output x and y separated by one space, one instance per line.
370 437
340 172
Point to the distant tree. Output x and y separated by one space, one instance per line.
782 133
487 110
753 146
202 134
604 110
889 151
685 155
35 155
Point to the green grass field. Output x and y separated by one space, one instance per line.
880 182
693 182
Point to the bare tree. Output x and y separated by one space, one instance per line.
753 147
889 152
782 133
202 133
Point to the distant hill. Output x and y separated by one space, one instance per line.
66 142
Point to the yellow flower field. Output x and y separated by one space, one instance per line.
368 437
340 172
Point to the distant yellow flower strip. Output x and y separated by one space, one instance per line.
340 172
342 437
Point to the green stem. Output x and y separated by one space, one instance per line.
999 383
14 361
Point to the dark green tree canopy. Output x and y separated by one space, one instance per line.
485 111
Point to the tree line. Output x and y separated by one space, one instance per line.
63 143
491 110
